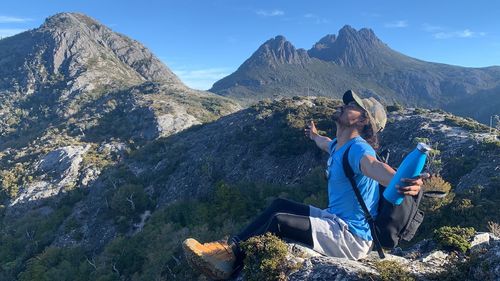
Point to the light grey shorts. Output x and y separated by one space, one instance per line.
331 236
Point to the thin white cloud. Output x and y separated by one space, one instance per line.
9 19
6 32
431 28
439 32
272 13
316 19
397 24
466 33
202 79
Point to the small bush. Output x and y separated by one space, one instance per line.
490 145
130 200
436 183
466 123
394 108
454 237
392 271
463 268
494 228
266 258
419 111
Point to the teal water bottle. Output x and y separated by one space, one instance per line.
412 166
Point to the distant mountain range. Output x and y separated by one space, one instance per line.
359 60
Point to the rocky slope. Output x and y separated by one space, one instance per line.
265 142
359 60
73 86
75 99
424 261
145 194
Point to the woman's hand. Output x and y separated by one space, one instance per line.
413 185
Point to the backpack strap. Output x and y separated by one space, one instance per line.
349 173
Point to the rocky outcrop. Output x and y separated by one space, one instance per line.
422 261
56 171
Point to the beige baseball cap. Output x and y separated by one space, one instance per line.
375 110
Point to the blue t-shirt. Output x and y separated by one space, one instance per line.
341 198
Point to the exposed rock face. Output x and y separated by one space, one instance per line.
274 52
322 48
57 170
354 48
324 268
422 261
171 123
75 49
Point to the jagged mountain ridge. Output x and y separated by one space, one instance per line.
357 60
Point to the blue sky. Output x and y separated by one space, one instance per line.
203 41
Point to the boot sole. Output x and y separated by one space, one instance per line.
195 258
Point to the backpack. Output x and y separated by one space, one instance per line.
394 222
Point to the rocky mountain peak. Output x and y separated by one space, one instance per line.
76 50
350 48
326 41
277 51
364 38
66 20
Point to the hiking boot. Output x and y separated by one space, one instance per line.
216 259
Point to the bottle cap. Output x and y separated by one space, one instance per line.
423 147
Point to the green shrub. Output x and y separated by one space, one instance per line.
394 108
436 183
494 228
454 237
490 145
419 111
463 268
58 264
392 271
416 140
466 123
265 258
457 167
130 200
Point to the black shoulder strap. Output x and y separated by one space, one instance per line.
349 173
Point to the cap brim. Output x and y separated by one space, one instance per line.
350 96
